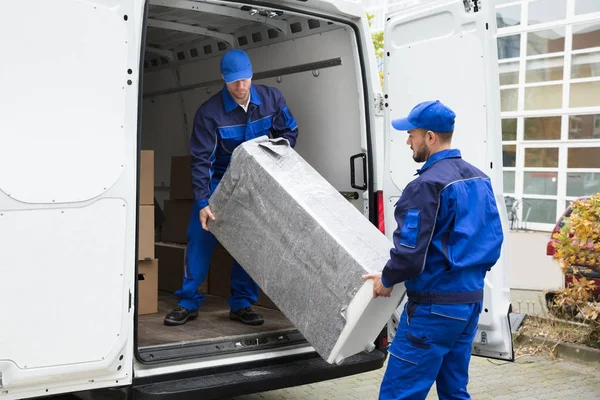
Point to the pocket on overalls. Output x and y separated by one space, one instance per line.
261 127
232 136
410 229
411 343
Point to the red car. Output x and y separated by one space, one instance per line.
583 270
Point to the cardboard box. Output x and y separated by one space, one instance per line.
177 218
219 280
172 265
147 178
181 178
146 233
147 287
305 245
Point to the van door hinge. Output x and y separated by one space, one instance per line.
129 301
474 5
379 102
1 385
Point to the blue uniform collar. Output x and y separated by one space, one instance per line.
440 155
230 103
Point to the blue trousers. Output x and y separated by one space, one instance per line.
432 344
200 249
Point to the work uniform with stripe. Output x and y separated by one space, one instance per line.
220 125
449 236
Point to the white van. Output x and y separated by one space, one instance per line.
86 84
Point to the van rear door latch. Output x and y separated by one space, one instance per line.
474 5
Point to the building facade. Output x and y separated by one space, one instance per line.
549 73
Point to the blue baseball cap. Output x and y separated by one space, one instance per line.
431 115
235 66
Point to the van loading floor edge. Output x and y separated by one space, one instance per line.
212 323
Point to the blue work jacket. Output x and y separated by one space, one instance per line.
449 232
220 125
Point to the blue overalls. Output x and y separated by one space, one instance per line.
220 125
449 235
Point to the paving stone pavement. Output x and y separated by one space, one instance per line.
528 378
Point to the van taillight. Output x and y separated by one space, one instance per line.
380 219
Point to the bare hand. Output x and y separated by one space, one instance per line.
378 288
205 214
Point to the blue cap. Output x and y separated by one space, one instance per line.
235 66
431 115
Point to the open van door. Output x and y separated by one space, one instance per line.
68 203
446 50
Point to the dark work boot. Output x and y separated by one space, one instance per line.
247 316
180 316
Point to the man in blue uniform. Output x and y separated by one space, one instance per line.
242 111
449 235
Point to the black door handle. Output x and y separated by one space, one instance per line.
363 156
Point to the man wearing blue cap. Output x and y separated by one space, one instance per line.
449 235
240 112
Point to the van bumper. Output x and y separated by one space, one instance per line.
246 379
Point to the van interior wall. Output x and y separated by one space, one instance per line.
327 106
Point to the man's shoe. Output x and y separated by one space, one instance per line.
180 316
247 316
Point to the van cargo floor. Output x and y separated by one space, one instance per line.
213 323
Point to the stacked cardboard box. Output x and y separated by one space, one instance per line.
171 251
147 263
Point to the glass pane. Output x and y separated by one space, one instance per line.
509 46
540 183
509 129
536 210
509 181
585 65
586 36
583 157
586 94
543 128
586 6
584 126
509 155
541 157
543 97
544 69
508 100
541 11
544 42
509 73
508 16
581 183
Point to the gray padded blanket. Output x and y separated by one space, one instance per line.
302 242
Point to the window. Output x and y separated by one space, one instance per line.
584 126
541 11
586 6
508 16
582 183
509 155
509 46
583 157
586 36
545 42
543 128
508 100
543 97
541 157
537 210
509 73
585 65
535 182
544 69
509 129
509 181
585 94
